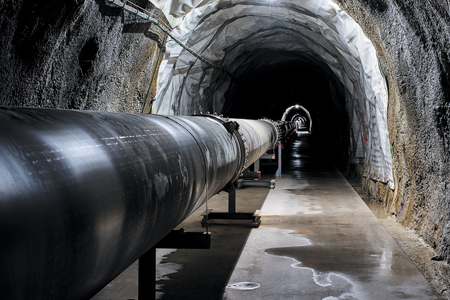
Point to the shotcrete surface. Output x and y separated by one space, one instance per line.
415 61
84 55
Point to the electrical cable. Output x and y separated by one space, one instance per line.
144 14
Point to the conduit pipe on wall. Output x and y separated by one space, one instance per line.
84 194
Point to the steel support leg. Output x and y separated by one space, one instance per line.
256 165
232 202
147 275
278 174
232 214
147 263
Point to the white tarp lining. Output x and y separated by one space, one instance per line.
231 32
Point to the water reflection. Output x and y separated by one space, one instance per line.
305 154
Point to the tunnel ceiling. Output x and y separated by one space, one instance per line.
248 38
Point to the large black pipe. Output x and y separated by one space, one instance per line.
84 194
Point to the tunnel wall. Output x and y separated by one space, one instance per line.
415 60
76 55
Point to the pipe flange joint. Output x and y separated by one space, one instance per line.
233 128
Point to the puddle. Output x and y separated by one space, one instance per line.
326 260
163 269
284 201
326 268
345 296
244 286
339 267
321 278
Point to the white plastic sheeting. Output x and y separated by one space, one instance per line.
244 36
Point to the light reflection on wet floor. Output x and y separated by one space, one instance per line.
318 240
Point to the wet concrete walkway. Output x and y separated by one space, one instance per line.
318 240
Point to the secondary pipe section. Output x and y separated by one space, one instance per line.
298 107
84 194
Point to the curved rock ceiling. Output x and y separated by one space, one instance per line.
255 40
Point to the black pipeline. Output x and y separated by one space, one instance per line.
84 194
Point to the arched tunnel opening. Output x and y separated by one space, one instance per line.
299 114
269 91
319 58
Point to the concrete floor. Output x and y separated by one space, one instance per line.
317 240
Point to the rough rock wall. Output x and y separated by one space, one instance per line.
78 54
413 41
